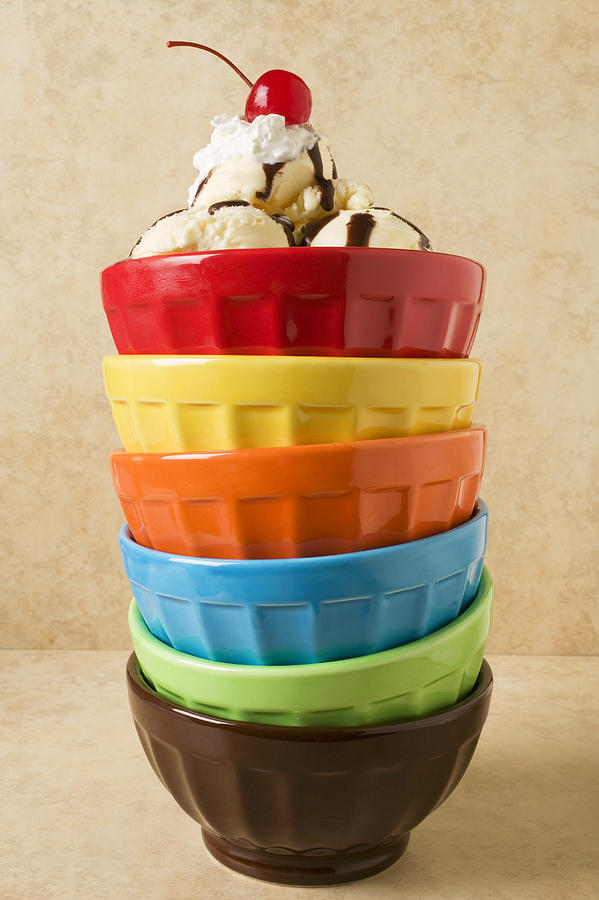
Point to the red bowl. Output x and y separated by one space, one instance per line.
304 301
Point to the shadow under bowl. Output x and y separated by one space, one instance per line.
320 608
307 806
313 301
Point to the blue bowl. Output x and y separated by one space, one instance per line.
308 610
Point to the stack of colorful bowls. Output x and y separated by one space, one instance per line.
304 542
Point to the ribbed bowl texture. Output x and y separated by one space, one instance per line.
295 611
307 805
270 503
329 301
169 404
415 679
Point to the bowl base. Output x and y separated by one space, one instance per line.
300 869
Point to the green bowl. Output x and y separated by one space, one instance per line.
413 680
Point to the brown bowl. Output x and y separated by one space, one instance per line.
307 806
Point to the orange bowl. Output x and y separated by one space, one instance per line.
309 500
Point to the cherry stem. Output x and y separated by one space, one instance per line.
215 52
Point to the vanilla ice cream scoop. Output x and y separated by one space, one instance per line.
307 207
223 226
268 179
372 227
268 186
265 162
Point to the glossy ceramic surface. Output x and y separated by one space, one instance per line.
307 805
414 680
301 501
308 302
294 611
183 403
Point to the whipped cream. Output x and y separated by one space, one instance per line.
265 140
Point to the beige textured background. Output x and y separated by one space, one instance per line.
475 121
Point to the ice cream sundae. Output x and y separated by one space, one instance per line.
268 179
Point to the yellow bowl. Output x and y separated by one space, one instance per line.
175 404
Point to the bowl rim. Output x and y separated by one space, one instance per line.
308 672
138 685
197 255
265 566
330 447
226 360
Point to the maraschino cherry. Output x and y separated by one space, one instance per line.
277 91
280 92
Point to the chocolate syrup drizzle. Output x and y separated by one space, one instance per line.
222 203
327 189
270 170
311 229
423 241
201 186
359 229
287 225
168 215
